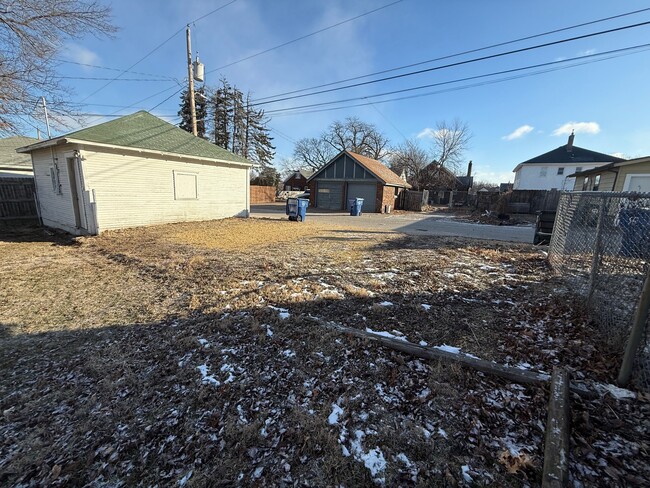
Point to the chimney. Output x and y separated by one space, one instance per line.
469 169
569 145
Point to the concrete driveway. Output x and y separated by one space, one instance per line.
408 223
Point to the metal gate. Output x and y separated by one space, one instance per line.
366 191
329 196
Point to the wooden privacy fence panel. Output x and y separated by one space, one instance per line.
519 201
262 194
17 202
415 200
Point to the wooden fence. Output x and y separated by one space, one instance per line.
414 200
262 194
518 201
17 202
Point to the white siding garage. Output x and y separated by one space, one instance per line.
124 174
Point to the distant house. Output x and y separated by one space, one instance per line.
133 171
443 182
350 175
13 164
629 175
297 181
551 170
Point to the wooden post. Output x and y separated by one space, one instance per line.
190 77
595 260
556 445
636 334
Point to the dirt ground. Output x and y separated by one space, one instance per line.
187 355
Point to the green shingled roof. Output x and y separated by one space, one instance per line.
9 158
142 130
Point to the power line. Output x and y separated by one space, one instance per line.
514 41
156 49
296 110
304 37
459 63
113 69
97 78
159 104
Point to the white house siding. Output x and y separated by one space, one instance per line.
528 176
56 209
133 190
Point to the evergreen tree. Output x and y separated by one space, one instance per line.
262 150
221 114
201 108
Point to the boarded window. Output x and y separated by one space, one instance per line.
54 176
560 171
185 186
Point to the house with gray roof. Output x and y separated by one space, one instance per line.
553 170
134 171
13 164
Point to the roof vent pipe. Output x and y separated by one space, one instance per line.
569 145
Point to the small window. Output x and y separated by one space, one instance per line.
560 171
578 169
585 183
596 183
185 186
542 171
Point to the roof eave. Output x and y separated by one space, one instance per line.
68 140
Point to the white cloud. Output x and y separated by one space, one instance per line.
587 52
619 155
429 133
578 128
519 132
79 54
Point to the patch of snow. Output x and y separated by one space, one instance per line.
386 304
386 334
425 306
204 342
373 459
206 378
465 470
441 432
269 332
183 481
333 418
424 394
426 433
424 343
615 391
446 348
288 353
283 313
258 472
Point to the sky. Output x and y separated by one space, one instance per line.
606 103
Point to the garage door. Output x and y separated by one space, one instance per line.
365 191
640 183
330 196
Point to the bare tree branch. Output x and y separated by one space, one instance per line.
32 32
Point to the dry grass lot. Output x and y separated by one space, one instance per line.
185 355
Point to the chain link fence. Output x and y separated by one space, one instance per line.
601 245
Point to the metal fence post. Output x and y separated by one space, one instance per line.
638 326
595 261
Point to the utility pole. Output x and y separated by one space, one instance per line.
47 119
190 77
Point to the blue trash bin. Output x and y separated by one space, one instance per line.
303 203
635 224
358 206
296 208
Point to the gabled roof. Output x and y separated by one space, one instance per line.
611 166
382 172
303 172
576 154
142 130
9 158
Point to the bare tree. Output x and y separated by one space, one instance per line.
410 158
312 153
356 136
450 141
32 32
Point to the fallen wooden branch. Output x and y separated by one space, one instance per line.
513 374
556 445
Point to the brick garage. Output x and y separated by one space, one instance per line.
350 175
